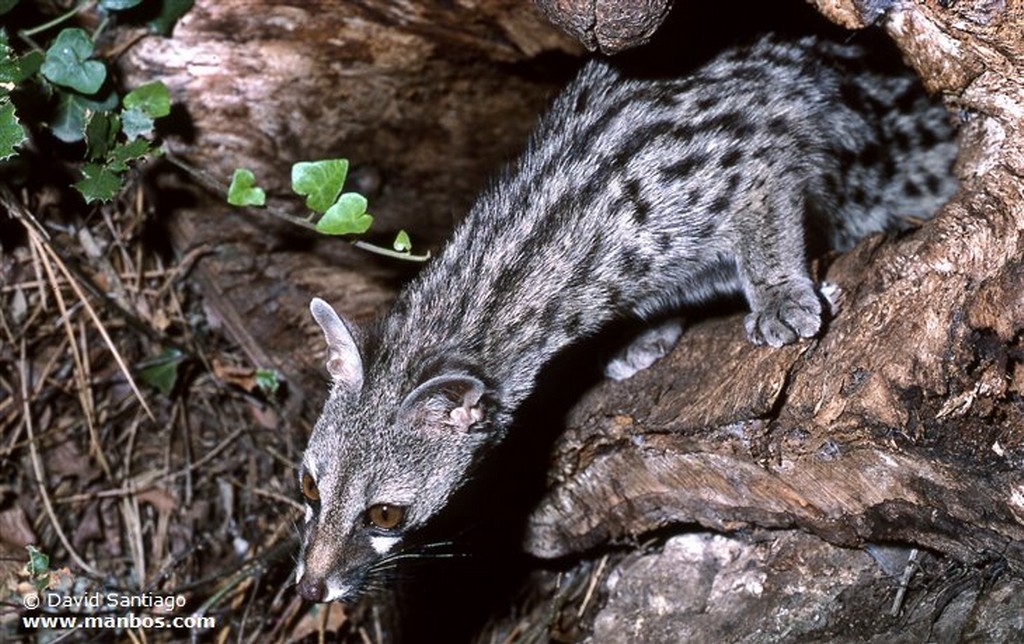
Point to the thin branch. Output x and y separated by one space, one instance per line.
37 468
211 184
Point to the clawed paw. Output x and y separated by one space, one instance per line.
785 318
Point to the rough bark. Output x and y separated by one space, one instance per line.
608 26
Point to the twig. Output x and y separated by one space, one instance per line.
81 373
594 579
908 572
37 469
42 241
27 34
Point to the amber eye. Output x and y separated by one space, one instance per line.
385 517
309 488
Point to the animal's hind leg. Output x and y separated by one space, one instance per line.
646 349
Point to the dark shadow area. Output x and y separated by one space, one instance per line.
450 599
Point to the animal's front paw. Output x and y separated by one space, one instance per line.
646 349
788 314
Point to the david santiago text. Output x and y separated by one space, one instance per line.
112 600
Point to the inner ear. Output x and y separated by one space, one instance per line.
343 360
460 399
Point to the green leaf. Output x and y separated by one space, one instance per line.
98 183
347 217
136 123
170 12
66 63
10 70
69 123
12 134
7 5
243 190
152 99
119 5
162 372
73 113
121 155
38 562
101 134
29 65
319 181
268 380
402 242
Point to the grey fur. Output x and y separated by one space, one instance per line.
632 198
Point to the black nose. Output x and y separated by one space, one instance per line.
312 589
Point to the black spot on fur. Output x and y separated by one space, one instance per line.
721 204
641 208
911 188
705 103
727 121
858 195
730 158
926 136
582 100
683 167
901 140
870 154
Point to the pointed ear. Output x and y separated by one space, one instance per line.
460 399
343 360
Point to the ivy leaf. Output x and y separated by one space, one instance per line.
29 65
320 182
73 114
98 183
346 217
402 242
69 123
38 562
122 154
162 372
136 123
66 63
142 106
38 568
170 12
152 99
101 134
243 190
10 70
268 381
12 134
119 5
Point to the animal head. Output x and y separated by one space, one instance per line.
384 457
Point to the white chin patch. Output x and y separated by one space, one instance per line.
383 545
336 593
